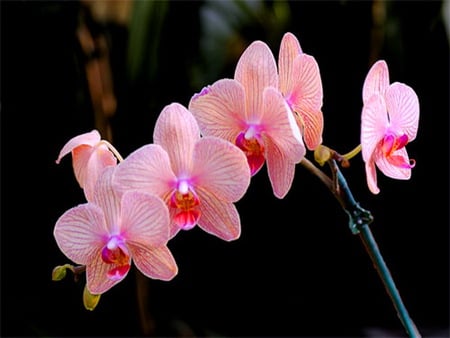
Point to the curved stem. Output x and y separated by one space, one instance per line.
359 220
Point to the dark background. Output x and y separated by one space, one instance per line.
296 270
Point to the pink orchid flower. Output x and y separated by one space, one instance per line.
198 177
389 121
250 111
90 155
301 85
109 233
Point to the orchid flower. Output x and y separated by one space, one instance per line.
389 121
301 85
250 111
110 232
90 155
199 178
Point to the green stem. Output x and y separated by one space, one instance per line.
359 220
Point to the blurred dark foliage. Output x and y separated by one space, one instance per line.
296 270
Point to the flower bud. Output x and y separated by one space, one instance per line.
59 272
90 300
322 154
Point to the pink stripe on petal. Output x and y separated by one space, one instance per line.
221 110
394 168
403 108
154 262
281 169
80 231
176 130
280 126
97 280
108 199
147 169
256 70
218 218
144 219
374 123
289 49
377 80
221 168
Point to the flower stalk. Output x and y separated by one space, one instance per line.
359 220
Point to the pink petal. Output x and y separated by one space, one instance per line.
280 168
377 80
220 109
90 139
147 169
394 171
176 130
403 109
305 98
79 232
289 50
256 70
280 126
108 199
154 262
371 176
218 218
88 163
221 168
97 280
374 123
144 219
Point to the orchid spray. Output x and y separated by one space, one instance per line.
203 157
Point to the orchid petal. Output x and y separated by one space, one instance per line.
403 108
221 168
220 109
176 130
391 170
305 98
289 50
154 262
281 170
218 218
144 219
97 280
79 232
147 169
89 139
371 175
280 126
256 70
374 123
108 199
377 80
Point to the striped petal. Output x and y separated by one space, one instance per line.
221 168
154 262
80 232
374 123
147 169
377 80
144 219
218 218
176 130
403 109
220 109
289 50
256 70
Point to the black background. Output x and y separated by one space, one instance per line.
296 270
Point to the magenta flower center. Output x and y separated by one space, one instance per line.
186 203
249 142
116 253
390 144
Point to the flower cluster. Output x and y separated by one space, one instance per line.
203 157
